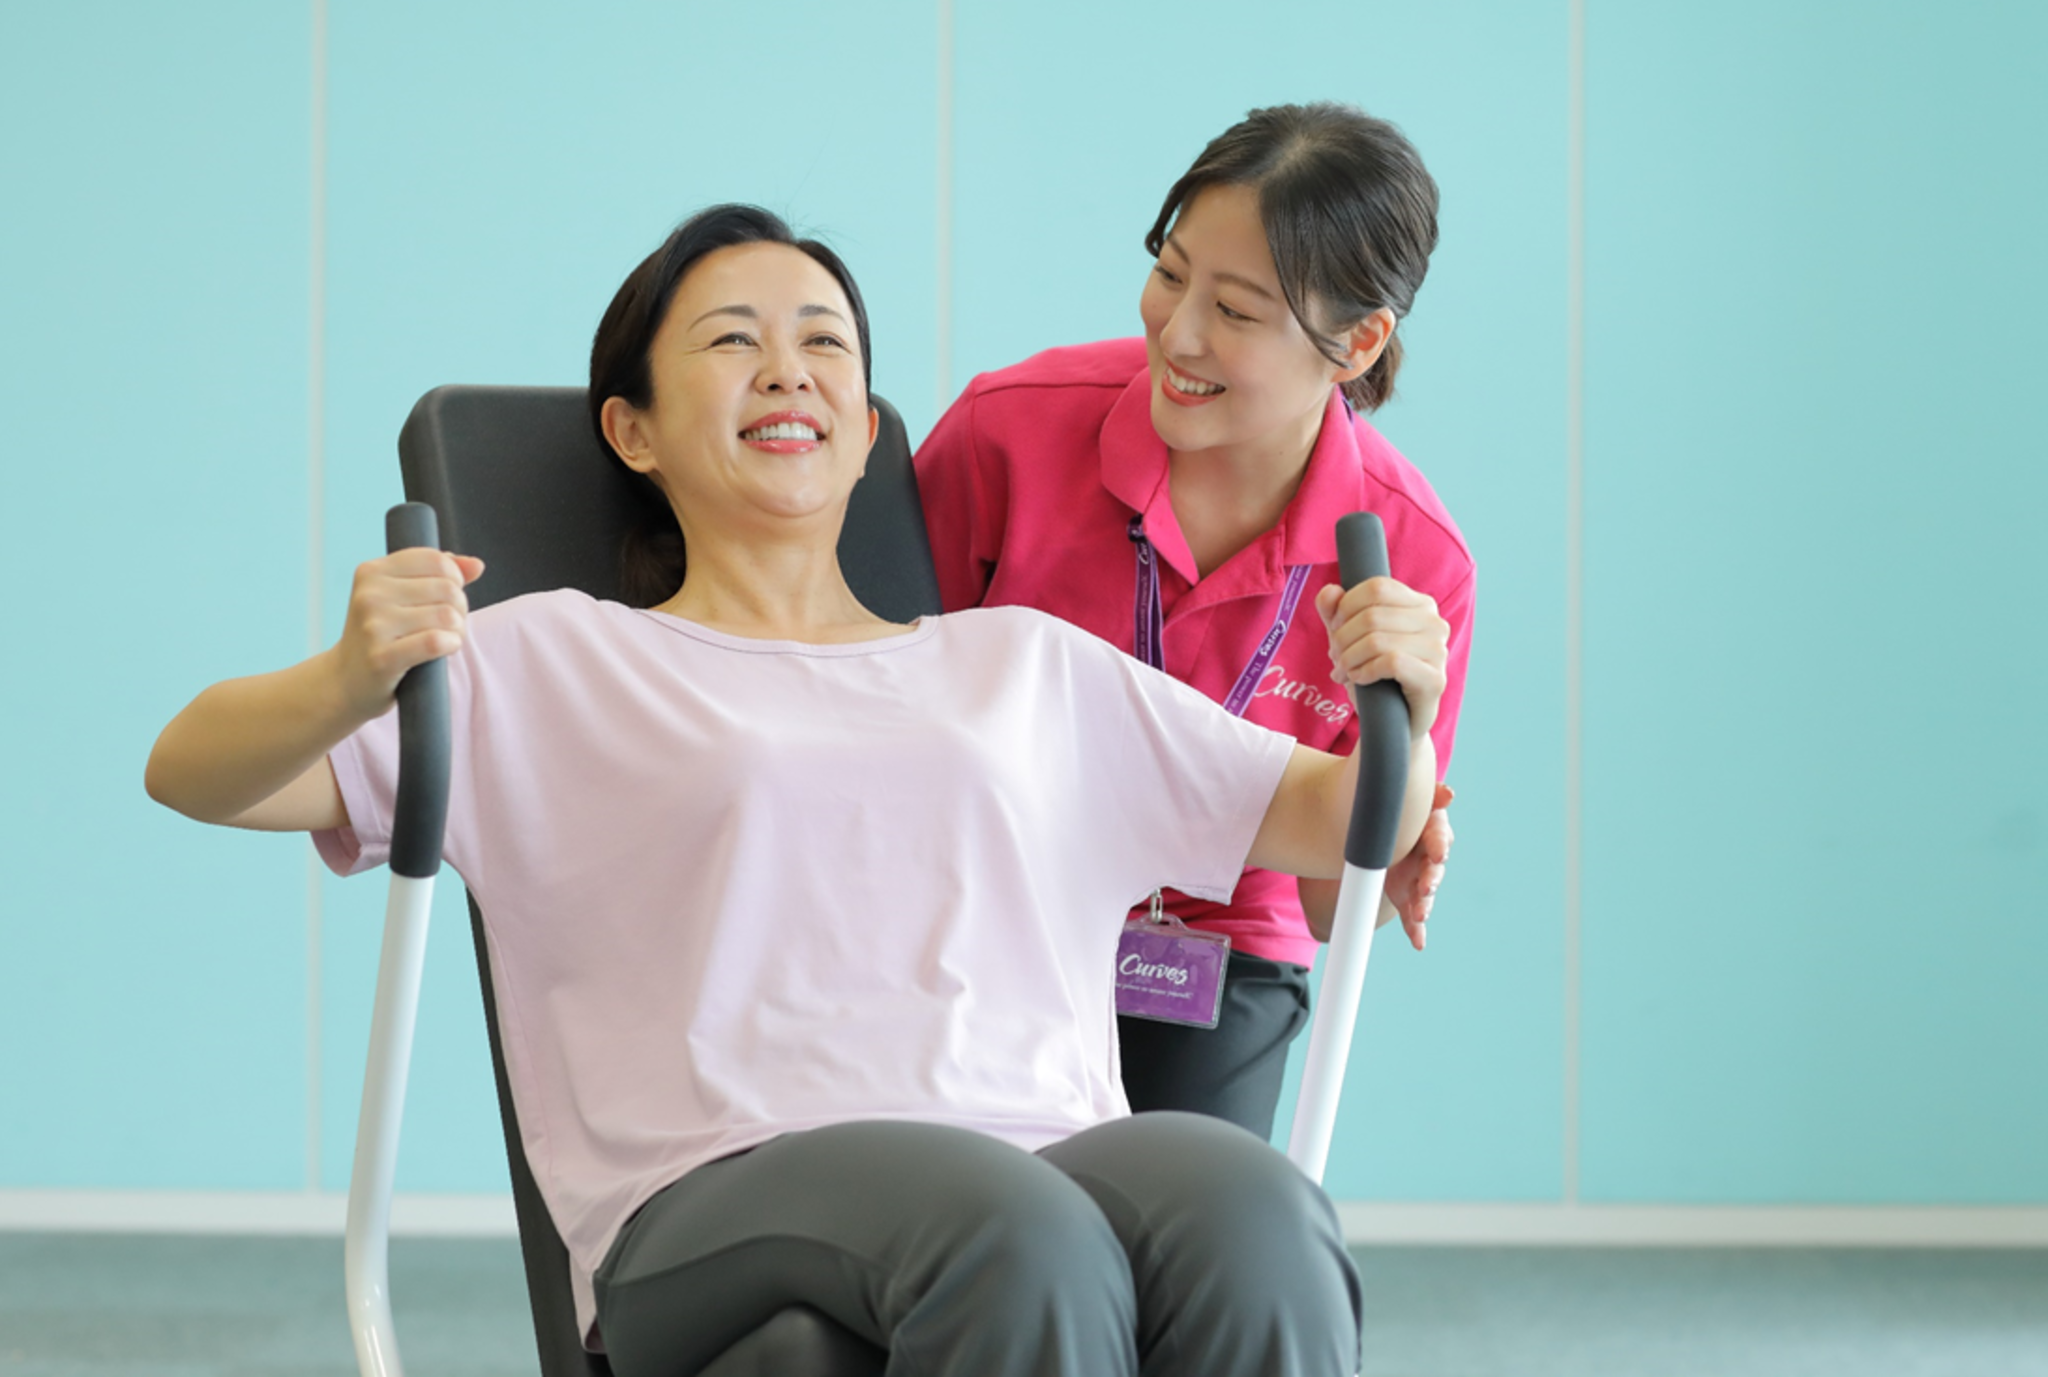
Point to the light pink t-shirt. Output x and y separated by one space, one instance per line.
735 888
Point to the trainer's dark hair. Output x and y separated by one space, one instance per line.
651 559
1350 215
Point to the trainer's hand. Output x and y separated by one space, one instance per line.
404 610
1381 629
1412 881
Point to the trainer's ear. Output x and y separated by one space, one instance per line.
1364 343
626 430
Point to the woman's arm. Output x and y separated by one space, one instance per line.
253 752
1305 825
1378 630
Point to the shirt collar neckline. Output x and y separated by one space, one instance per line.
1135 471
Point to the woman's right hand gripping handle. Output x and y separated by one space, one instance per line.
253 752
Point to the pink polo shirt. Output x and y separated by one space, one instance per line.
1029 483
736 888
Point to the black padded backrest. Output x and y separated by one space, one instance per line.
555 1332
518 480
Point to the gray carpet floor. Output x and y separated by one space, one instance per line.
105 1306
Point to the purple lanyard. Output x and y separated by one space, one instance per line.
1150 620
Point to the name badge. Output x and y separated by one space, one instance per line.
1168 972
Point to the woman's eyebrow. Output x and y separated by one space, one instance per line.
1245 282
803 313
749 312
1232 278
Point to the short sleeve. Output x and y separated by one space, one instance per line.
366 772
964 495
1191 782
1455 608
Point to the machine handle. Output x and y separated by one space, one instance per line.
421 814
1383 722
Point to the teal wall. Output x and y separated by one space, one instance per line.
1816 823
1815 837
153 385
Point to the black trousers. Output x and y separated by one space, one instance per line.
1232 1071
1167 1245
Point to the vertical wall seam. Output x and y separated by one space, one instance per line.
1575 435
316 479
943 206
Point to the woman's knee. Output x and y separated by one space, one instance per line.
1162 1161
1006 1212
931 1201
1219 1223
1005 1265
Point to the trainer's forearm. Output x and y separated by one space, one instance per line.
243 740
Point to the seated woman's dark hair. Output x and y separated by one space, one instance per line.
652 560
1350 215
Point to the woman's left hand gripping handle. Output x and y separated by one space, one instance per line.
420 611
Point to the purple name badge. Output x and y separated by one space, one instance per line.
1169 972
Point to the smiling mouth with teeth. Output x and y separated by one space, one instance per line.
784 430
1192 387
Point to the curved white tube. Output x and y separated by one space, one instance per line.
369 1186
1329 1036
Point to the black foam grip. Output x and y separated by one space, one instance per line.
1383 722
421 813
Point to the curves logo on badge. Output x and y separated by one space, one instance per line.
1276 684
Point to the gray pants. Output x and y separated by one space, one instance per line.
1163 1244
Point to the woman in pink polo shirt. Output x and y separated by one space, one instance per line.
1176 495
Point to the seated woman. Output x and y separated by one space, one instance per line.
802 922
